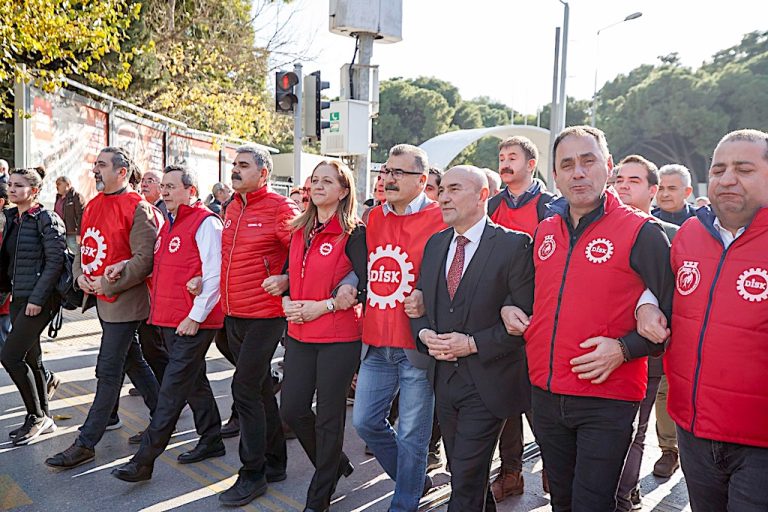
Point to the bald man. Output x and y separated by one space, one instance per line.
475 268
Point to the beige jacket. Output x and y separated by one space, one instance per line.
133 300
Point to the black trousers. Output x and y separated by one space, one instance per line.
222 343
470 433
327 368
723 476
184 382
583 441
253 341
22 356
153 346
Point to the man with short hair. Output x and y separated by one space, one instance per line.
255 245
433 183
150 189
396 234
520 206
716 359
586 360
674 188
472 270
637 181
4 167
69 205
494 181
189 245
221 194
118 234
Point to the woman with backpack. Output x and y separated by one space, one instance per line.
31 262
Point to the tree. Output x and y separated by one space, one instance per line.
45 40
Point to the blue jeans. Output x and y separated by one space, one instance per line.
402 453
120 353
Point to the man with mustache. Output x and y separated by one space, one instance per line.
255 246
520 206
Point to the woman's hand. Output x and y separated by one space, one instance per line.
302 311
275 285
33 309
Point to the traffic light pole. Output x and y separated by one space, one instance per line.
297 128
362 79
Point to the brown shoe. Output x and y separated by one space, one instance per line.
508 483
667 464
544 481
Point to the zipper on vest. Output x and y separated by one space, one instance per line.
16 251
703 332
572 240
231 250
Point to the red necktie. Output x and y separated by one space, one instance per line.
457 266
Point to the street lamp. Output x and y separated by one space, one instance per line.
563 63
631 17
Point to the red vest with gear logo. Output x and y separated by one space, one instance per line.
177 260
313 275
105 233
395 250
591 292
717 359
525 218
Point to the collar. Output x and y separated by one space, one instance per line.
256 195
415 206
725 232
474 233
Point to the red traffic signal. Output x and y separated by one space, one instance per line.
285 95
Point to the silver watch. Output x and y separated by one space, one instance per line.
330 305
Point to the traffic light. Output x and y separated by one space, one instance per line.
314 105
285 91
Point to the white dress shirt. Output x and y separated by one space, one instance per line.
208 238
419 203
473 234
726 236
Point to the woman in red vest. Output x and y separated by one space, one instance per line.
322 349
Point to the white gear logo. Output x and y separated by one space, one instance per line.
157 244
599 250
98 253
404 277
752 285
228 223
174 244
325 249
547 247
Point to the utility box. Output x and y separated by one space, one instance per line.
383 18
348 132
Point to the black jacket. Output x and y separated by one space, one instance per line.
39 256
73 211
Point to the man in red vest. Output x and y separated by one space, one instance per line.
716 360
587 362
396 235
255 246
189 245
520 206
118 227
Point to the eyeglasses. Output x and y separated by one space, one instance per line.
169 188
396 173
149 181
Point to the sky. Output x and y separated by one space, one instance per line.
504 49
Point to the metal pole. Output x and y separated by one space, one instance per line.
563 64
22 125
594 94
362 86
553 116
297 117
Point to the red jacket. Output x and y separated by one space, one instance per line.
581 292
313 275
395 249
717 359
177 260
255 245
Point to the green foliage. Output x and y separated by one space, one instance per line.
62 37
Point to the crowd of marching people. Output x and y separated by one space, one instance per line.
459 303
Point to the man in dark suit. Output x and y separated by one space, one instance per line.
475 268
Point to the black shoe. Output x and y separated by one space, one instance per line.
134 392
307 509
231 429
427 484
275 474
33 428
288 432
434 461
114 423
345 469
13 433
202 452
71 457
136 438
133 472
52 385
243 492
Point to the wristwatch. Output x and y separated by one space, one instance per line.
330 305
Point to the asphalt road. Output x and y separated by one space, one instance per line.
27 484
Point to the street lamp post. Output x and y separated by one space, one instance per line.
563 63
631 17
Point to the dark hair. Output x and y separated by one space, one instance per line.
188 178
526 144
650 167
747 135
437 173
121 158
581 131
4 194
33 175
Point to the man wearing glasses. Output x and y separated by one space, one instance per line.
396 234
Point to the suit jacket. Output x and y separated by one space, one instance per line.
500 273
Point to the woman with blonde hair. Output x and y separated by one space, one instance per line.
322 348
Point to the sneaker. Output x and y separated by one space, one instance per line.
33 428
52 385
636 499
13 433
667 464
434 461
114 423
